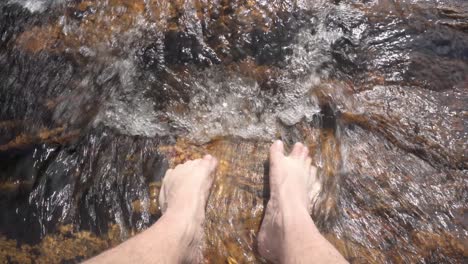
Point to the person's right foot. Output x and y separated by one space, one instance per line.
293 185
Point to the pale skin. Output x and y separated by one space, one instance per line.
287 234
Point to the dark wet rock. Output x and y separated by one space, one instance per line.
400 40
345 57
410 123
46 89
12 18
182 48
53 171
393 201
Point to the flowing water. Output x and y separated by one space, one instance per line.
99 98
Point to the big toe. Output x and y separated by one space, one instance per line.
210 162
276 151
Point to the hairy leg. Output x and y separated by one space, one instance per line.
288 233
177 236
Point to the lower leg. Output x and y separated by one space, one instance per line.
288 234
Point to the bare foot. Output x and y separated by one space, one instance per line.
178 235
293 185
184 193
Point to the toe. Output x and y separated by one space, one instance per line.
195 163
162 199
276 151
211 162
304 152
313 173
297 150
206 160
186 163
169 171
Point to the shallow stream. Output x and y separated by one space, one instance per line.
99 98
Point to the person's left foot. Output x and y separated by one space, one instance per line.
184 193
186 187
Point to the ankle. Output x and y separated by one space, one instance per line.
288 200
193 210
287 207
183 235
186 225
